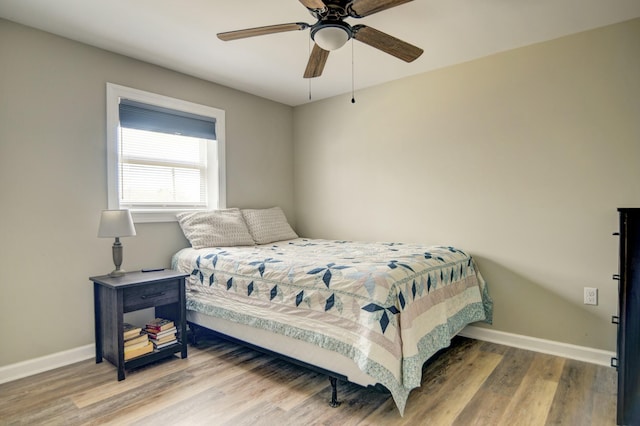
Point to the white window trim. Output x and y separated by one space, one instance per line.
114 93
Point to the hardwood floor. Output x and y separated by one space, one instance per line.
471 383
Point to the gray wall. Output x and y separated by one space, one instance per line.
53 180
520 158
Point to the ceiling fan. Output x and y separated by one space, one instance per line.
330 32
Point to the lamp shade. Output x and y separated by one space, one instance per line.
331 37
116 223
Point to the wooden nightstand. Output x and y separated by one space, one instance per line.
162 290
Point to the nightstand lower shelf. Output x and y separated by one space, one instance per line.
156 355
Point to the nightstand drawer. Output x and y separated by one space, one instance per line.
140 297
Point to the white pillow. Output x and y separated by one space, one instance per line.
268 225
215 228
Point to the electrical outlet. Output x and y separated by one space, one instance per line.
590 296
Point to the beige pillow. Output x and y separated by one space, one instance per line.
215 228
268 225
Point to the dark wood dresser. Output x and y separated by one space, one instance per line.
628 351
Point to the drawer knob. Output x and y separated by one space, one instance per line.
151 296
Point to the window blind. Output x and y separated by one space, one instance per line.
141 116
162 157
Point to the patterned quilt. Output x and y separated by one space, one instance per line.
386 306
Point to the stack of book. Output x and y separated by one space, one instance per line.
136 342
161 332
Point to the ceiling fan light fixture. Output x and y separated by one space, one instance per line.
331 36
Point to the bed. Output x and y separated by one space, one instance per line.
371 313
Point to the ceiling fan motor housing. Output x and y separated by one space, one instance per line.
331 34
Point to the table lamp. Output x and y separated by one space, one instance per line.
116 223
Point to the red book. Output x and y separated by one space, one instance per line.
159 324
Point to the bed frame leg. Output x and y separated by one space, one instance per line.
334 392
194 334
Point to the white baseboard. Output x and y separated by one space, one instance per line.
566 350
49 362
580 353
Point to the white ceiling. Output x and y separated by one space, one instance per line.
181 35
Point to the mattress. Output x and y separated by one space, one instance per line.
381 309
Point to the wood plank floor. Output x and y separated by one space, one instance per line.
221 383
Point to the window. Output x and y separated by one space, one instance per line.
164 155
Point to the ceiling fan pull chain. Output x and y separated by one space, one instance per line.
353 79
309 53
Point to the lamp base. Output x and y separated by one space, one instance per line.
117 273
117 259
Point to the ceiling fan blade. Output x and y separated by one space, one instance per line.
316 62
258 31
313 4
388 44
360 8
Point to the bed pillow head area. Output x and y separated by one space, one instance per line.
268 225
233 227
215 228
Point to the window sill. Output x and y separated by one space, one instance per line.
141 216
